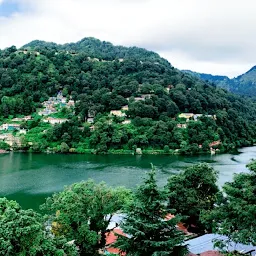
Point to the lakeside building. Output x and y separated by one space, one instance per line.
10 139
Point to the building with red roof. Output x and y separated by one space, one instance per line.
111 238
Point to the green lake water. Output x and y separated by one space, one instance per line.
29 178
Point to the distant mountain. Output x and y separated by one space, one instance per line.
244 84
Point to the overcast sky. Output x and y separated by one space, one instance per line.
210 36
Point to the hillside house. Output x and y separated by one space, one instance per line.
146 96
118 113
126 121
136 99
23 131
17 119
10 140
184 126
90 120
92 128
196 116
54 121
215 143
21 119
125 108
9 127
71 103
187 116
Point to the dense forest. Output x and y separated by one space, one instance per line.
100 77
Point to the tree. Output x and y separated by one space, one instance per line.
149 232
234 213
22 232
83 212
64 148
193 191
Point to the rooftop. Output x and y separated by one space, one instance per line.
205 244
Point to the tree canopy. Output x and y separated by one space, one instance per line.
23 232
148 231
193 191
83 211
234 213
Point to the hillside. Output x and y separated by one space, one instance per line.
116 98
244 84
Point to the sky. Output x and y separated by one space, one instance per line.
207 36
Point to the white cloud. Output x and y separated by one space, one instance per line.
211 36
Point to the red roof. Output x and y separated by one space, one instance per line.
211 253
215 143
111 238
180 225
208 253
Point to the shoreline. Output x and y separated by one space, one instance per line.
121 152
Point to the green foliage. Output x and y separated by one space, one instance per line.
192 192
101 77
22 232
4 146
234 213
83 212
149 232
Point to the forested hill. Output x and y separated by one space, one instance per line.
95 48
244 84
101 77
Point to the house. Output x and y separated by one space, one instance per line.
111 238
215 143
71 103
17 119
53 120
10 139
196 116
90 120
21 119
136 99
22 131
145 96
125 108
204 245
182 126
117 113
92 128
126 121
187 116
10 127
26 118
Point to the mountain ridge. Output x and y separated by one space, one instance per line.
244 84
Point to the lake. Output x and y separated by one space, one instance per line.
29 178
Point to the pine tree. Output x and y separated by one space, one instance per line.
148 232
